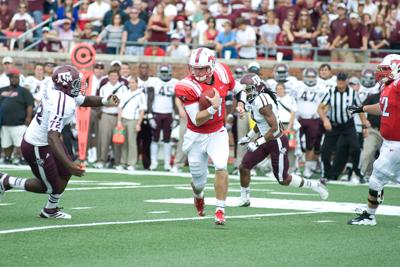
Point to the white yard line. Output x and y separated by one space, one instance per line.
48 227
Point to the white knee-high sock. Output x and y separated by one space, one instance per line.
307 183
154 153
220 205
167 153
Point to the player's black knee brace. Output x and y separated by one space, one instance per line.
378 195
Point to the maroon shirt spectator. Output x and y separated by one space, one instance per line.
357 34
378 36
34 5
304 29
323 41
285 38
5 15
49 42
338 25
158 25
225 15
394 37
283 10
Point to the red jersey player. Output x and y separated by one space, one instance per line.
387 166
206 135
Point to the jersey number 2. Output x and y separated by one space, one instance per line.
385 102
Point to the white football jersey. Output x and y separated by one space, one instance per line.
368 91
163 95
37 87
290 85
328 84
308 99
55 111
259 102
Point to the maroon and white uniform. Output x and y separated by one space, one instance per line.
56 110
308 99
277 149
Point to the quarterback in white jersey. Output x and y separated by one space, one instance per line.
38 83
161 102
270 140
308 98
281 75
42 147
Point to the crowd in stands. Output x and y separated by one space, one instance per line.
234 28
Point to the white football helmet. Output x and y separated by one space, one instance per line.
388 70
202 58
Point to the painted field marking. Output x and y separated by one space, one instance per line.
286 204
48 227
6 204
82 208
324 221
158 212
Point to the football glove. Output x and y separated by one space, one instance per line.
355 109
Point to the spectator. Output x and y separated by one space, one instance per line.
154 50
96 12
114 9
127 4
8 65
323 41
125 71
201 27
282 11
245 40
35 8
383 7
83 14
303 34
5 15
21 21
130 115
170 10
177 49
50 42
17 103
379 37
210 34
134 31
37 84
356 35
189 35
394 37
285 38
226 41
49 67
337 27
86 33
141 6
112 35
366 20
268 34
64 32
225 15
369 8
159 26
67 10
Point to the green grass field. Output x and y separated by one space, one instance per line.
114 224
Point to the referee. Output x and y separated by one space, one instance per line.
341 135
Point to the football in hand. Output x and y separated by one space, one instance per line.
203 101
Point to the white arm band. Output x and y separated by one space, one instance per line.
192 110
261 141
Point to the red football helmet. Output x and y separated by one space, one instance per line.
67 79
388 69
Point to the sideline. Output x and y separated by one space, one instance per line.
48 227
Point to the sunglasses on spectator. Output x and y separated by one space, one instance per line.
99 67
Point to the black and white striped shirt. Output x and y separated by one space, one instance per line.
339 101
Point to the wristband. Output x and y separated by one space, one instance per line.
104 101
251 134
211 110
260 141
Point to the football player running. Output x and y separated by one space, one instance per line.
42 147
206 135
269 140
387 167
162 104
308 97
281 75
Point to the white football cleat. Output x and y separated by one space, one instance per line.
243 202
57 214
321 190
364 219
153 167
307 173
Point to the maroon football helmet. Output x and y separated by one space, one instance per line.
67 79
253 85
